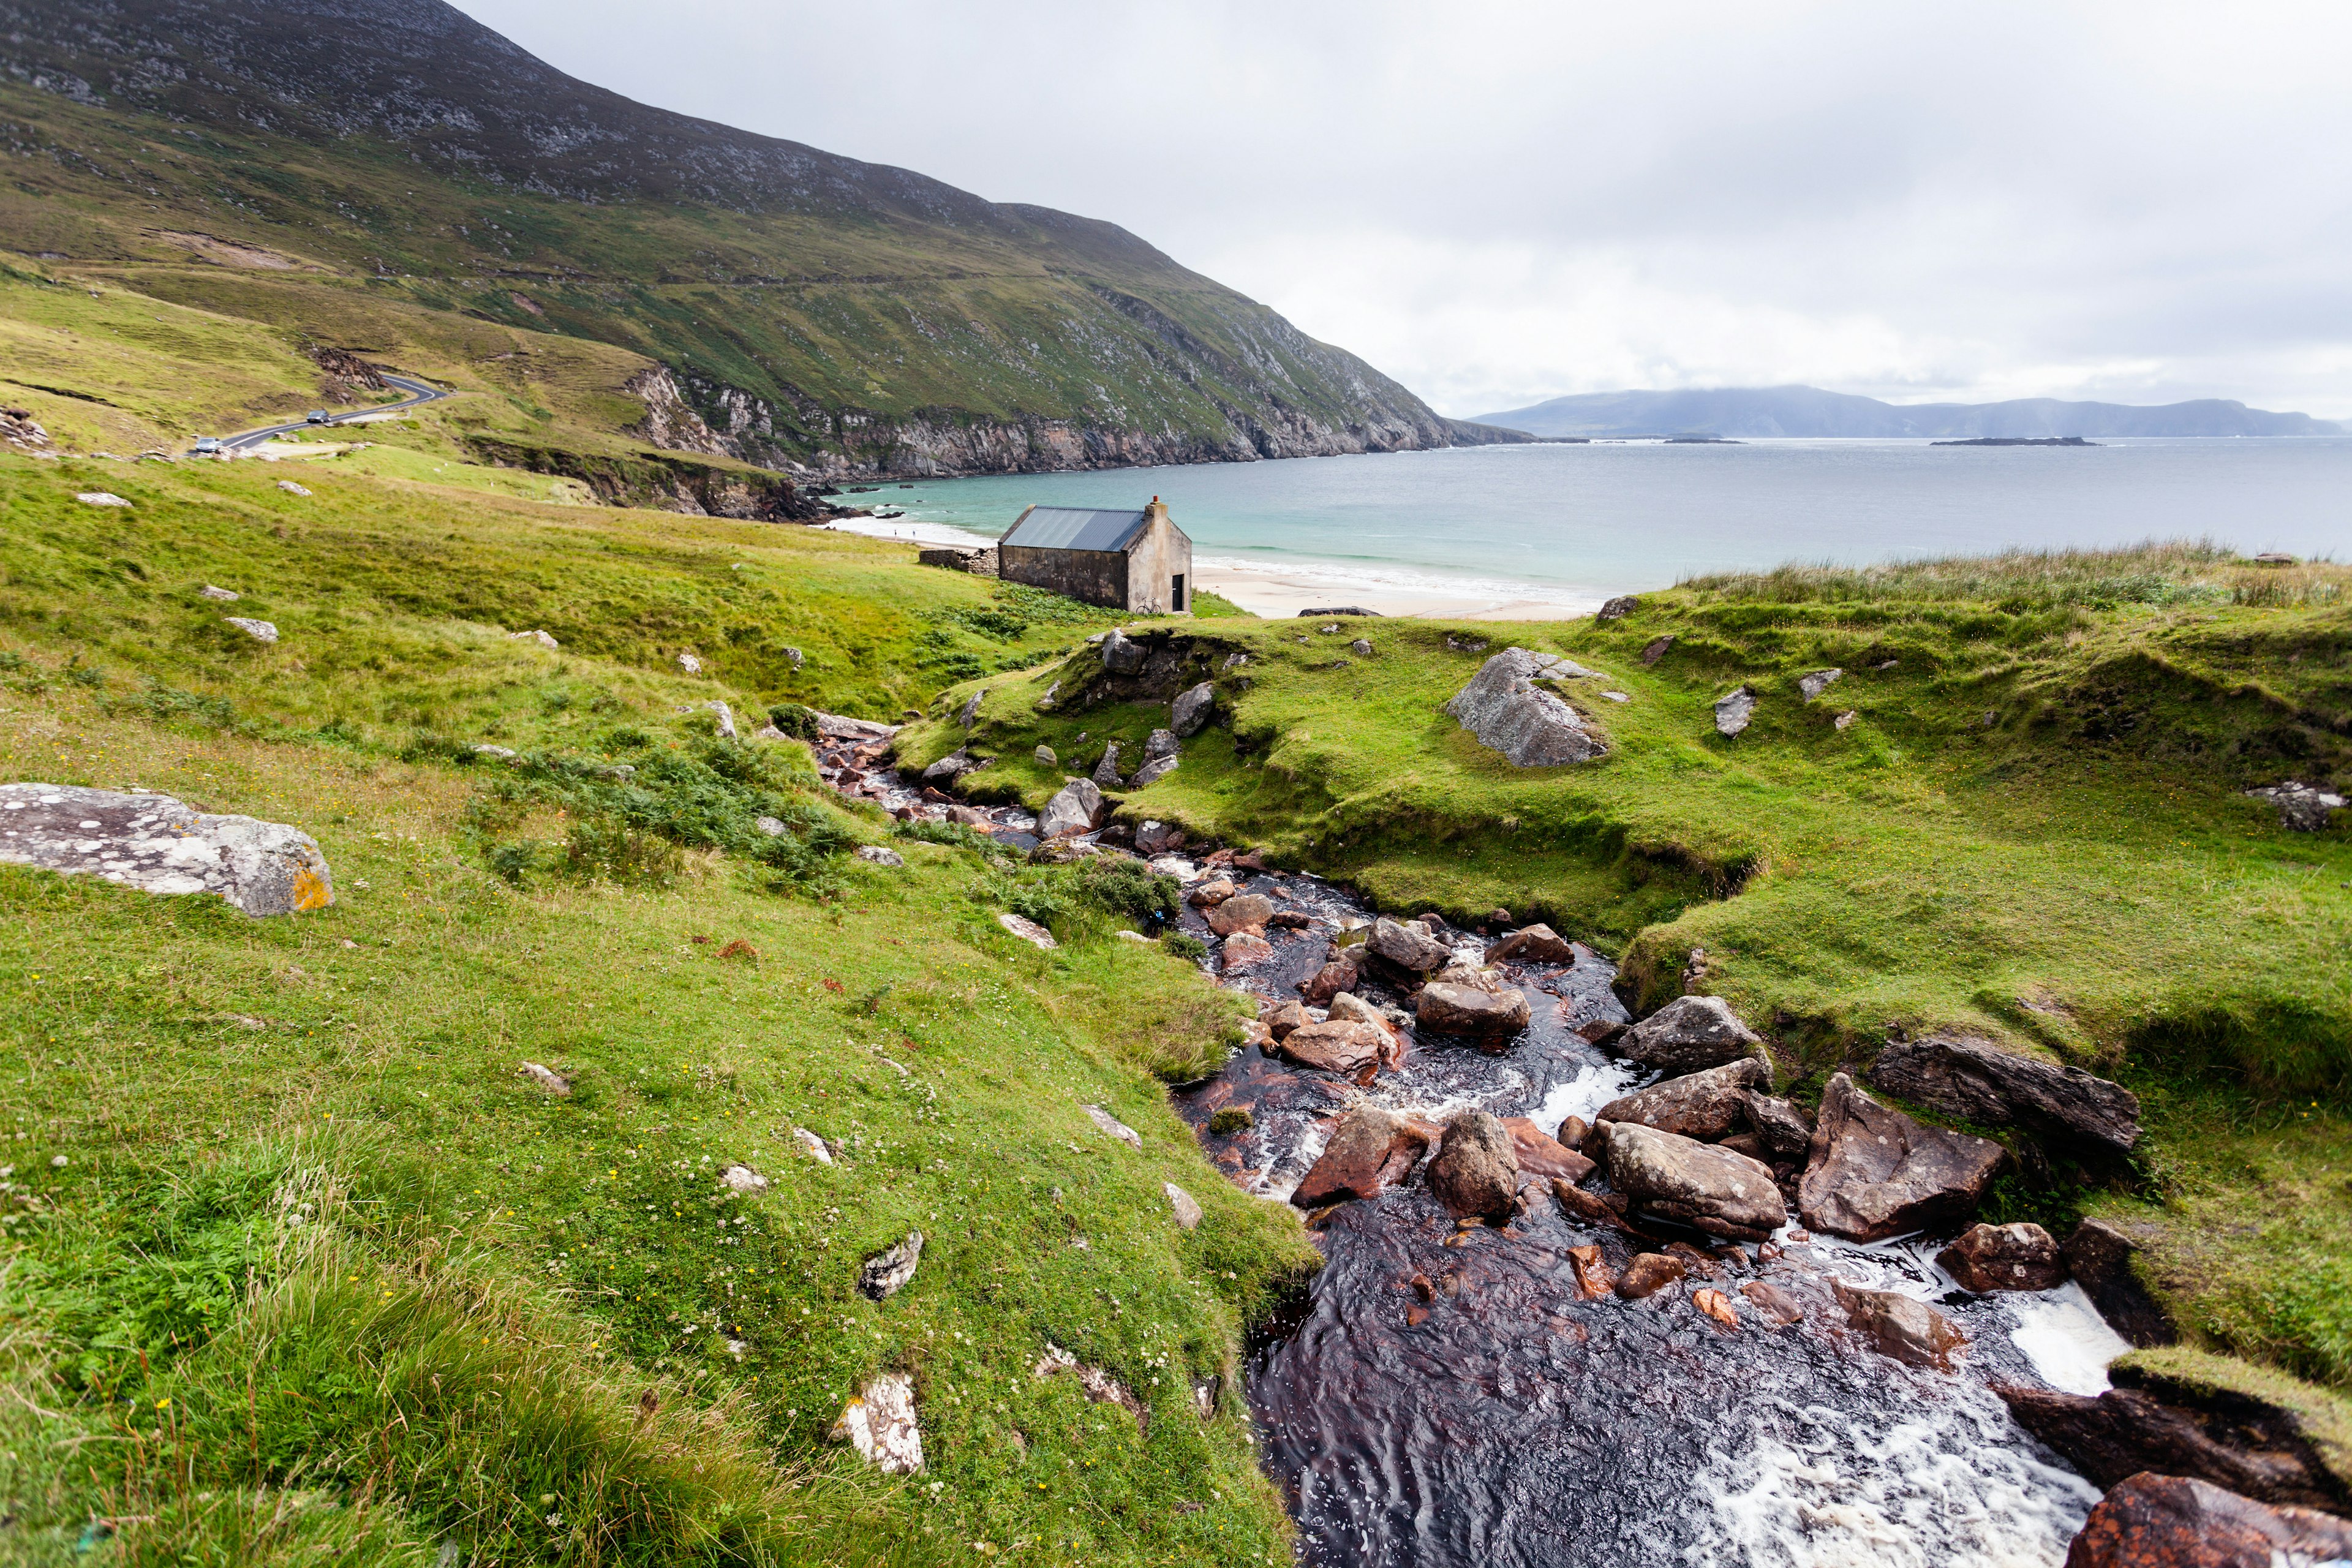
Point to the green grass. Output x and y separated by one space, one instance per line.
2033 829
321 1270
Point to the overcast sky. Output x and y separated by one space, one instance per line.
1501 202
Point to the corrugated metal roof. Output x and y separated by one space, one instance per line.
1075 527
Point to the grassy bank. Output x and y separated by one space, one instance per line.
296 1258
2032 827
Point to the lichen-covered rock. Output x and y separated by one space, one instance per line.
1456 1009
1106 773
880 1425
1160 744
1242 913
1407 946
876 854
1875 1172
541 638
2302 808
1336 1045
2177 1521
1106 1122
259 631
1689 1034
887 1272
1028 930
1152 772
723 720
1120 655
1821 681
1183 1205
1708 1188
1733 711
1045 757
1507 712
1532 944
159 845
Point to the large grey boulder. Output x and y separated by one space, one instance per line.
1733 710
159 845
1152 772
1189 712
1689 1034
1106 773
1972 1079
1821 681
1160 744
1706 1106
1507 712
887 1272
1407 946
1120 655
1711 1189
1876 1173
955 764
1485 1011
1909 1330
1075 807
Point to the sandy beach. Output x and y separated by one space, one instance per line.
1285 590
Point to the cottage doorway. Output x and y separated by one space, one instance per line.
1176 597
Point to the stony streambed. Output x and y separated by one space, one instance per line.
1443 1394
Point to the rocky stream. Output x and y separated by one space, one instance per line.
1554 1381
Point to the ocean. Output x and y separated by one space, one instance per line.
1567 526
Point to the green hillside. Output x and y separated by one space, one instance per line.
270 161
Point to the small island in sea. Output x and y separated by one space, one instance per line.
2019 441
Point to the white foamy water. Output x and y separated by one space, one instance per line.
1939 1485
1592 1088
2064 1336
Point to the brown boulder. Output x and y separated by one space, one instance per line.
2175 1522
1532 944
1717 1305
1590 1207
1354 1009
1334 1045
1371 1151
2022 1256
2099 1256
1242 913
1208 895
1280 1021
1331 980
1702 1105
1649 1273
1476 1172
1973 1079
1452 1008
1689 1034
1407 946
1875 1172
1773 1301
1244 949
1909 1331
1542 1155
1572 1131
1707 1188
1782 1129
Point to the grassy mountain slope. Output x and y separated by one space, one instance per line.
293 1257
818 309
2032 829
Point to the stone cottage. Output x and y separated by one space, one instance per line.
1136 561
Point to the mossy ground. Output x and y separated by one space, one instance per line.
320 1269
2034 828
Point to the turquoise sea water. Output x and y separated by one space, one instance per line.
1614 516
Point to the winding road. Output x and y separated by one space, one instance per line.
418 393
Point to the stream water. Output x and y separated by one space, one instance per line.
1507 1423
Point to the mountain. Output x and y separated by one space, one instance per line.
1810 411
812 308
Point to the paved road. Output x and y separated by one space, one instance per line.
418 392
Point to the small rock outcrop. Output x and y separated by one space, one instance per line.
879 1422
954 765
157 844
1242 913
538 636
1909 1331
1734 710
1191 711
1689 1034
1121 655
1106 774
1705 1106
1988 1258
259 631
1539 1153
1183 1205
1152 772
222 595
1972 1079
1507 712
2302 808
887 1272
1160 744
1028 930
1336 1045
875 854
1618 608
1875 1172
1075 809
1112 1126
1371 1151
1708 1188
1821 681
1477 1172
2099 1257
2177 1522
722 721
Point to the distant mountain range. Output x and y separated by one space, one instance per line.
1810 411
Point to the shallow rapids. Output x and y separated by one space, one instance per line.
1442 1397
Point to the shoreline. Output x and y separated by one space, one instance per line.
1283 591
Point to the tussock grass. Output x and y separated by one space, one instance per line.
2168 573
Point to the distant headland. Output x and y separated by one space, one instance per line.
1808 411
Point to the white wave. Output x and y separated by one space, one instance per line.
1926 1482
1594 1085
